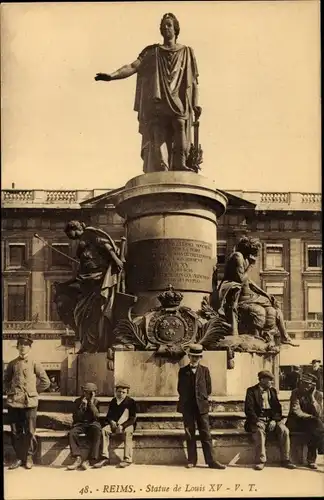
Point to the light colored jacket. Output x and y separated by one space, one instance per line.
20 382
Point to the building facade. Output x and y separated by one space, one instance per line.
289 267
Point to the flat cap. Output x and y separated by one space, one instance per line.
265 374
24 339
316 361
90 387
195 350
122 385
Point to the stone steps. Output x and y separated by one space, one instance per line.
157 447
158 420
64 404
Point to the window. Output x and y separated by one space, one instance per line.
314 256
221 252
277 290
52 311
57 259
274 257
17 303
314 303
17 255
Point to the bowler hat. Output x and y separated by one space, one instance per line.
195 350
24 339
316 361
265 374
309 378
90 387
122 385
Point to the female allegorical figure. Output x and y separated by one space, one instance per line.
85 302
247 307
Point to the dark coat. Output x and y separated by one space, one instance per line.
302 406
85 414
203 389
253 406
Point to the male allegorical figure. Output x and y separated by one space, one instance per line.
194 388
264 415
306 415
20 383
85 421
120 419
166 98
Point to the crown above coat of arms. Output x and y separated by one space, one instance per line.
170 298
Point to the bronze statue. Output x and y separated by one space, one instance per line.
85 303
242 303
166 101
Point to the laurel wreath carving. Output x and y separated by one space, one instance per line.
127 332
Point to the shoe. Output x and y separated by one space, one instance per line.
123 464
85 465
259 466
216 465
288 465
17 463
102 463
190 465
76 464
29 463
312 465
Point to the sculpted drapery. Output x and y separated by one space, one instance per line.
165 91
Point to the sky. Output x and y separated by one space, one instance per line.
259 86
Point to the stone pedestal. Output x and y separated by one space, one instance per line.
171 220
149 374
86 367
152 375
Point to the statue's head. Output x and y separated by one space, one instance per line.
249 247
169 26
74 229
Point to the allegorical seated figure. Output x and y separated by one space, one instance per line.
166 98
85 302
242 303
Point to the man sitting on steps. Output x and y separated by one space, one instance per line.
120 419
263 416
85 421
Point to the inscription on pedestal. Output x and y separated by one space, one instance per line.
154 264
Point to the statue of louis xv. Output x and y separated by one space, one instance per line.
166 101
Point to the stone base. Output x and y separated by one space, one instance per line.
149 374
93 368
245 371
160 447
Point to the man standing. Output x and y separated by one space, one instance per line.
194 388
85 421
120 419
318 373
305 415
20 381
264 415
166 98
292 378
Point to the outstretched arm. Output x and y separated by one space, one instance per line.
123 72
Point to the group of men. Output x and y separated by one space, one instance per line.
262 407
292 379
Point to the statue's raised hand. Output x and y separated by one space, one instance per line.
104 77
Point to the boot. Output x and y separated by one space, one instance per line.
76 464
17 463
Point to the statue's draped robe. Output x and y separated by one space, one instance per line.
86 303
165 88
237 294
